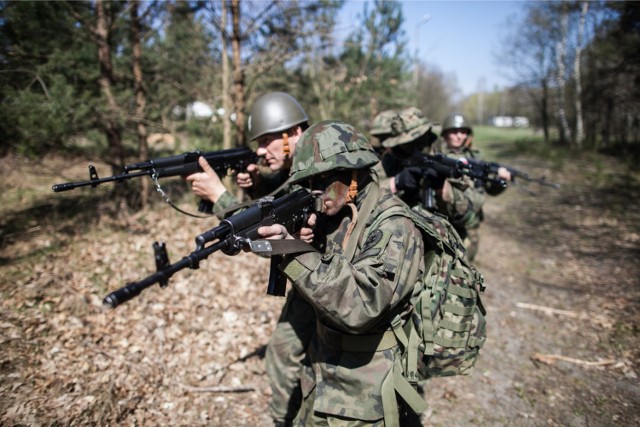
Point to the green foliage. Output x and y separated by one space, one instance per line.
46 74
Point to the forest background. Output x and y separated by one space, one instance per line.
109 79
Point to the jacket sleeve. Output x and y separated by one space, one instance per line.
355 297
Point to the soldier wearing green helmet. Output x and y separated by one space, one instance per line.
362 276
276 122
456 141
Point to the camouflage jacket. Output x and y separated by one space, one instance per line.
357 298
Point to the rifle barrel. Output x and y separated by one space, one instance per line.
133 289
95 182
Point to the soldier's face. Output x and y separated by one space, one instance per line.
455 138
334 188
276 151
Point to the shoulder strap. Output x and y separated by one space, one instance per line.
368 205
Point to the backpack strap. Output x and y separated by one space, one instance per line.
403 378
368 205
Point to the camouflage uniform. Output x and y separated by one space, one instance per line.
460 204
355 297
466 226
276 112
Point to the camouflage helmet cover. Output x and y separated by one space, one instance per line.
382 123
274 112
456 121
331 145
408 125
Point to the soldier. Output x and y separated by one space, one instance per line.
360 280
456 141
452 197
381 127
276 122
381 130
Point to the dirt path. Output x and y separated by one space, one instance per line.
191 354
562 282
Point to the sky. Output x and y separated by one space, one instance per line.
459 37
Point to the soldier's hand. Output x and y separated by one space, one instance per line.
274 232
433 178
248 178
206 184
306 233
408 179
504 173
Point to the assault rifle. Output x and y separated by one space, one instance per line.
488 169
231 236
480 171
179 165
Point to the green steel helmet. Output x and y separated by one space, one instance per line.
331 145
274 112
456 121
408 125
382 123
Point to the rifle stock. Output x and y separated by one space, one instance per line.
230 236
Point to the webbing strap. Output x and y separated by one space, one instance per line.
477 342
395 382
460 311
367 343
450 342
455 326
462 292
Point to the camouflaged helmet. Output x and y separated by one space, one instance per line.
456 121
331 145
274 112
409 125
382 123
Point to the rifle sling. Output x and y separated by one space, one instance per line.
280 247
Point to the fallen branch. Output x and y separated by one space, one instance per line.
217 389
549 359
598 319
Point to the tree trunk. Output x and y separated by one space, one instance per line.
544 109
561 46
238 74
138 88
112 127
226 99
578 78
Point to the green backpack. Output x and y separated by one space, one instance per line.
449 315
448 324
448 327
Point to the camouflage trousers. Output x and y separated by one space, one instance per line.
285 352
471 243
307 417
